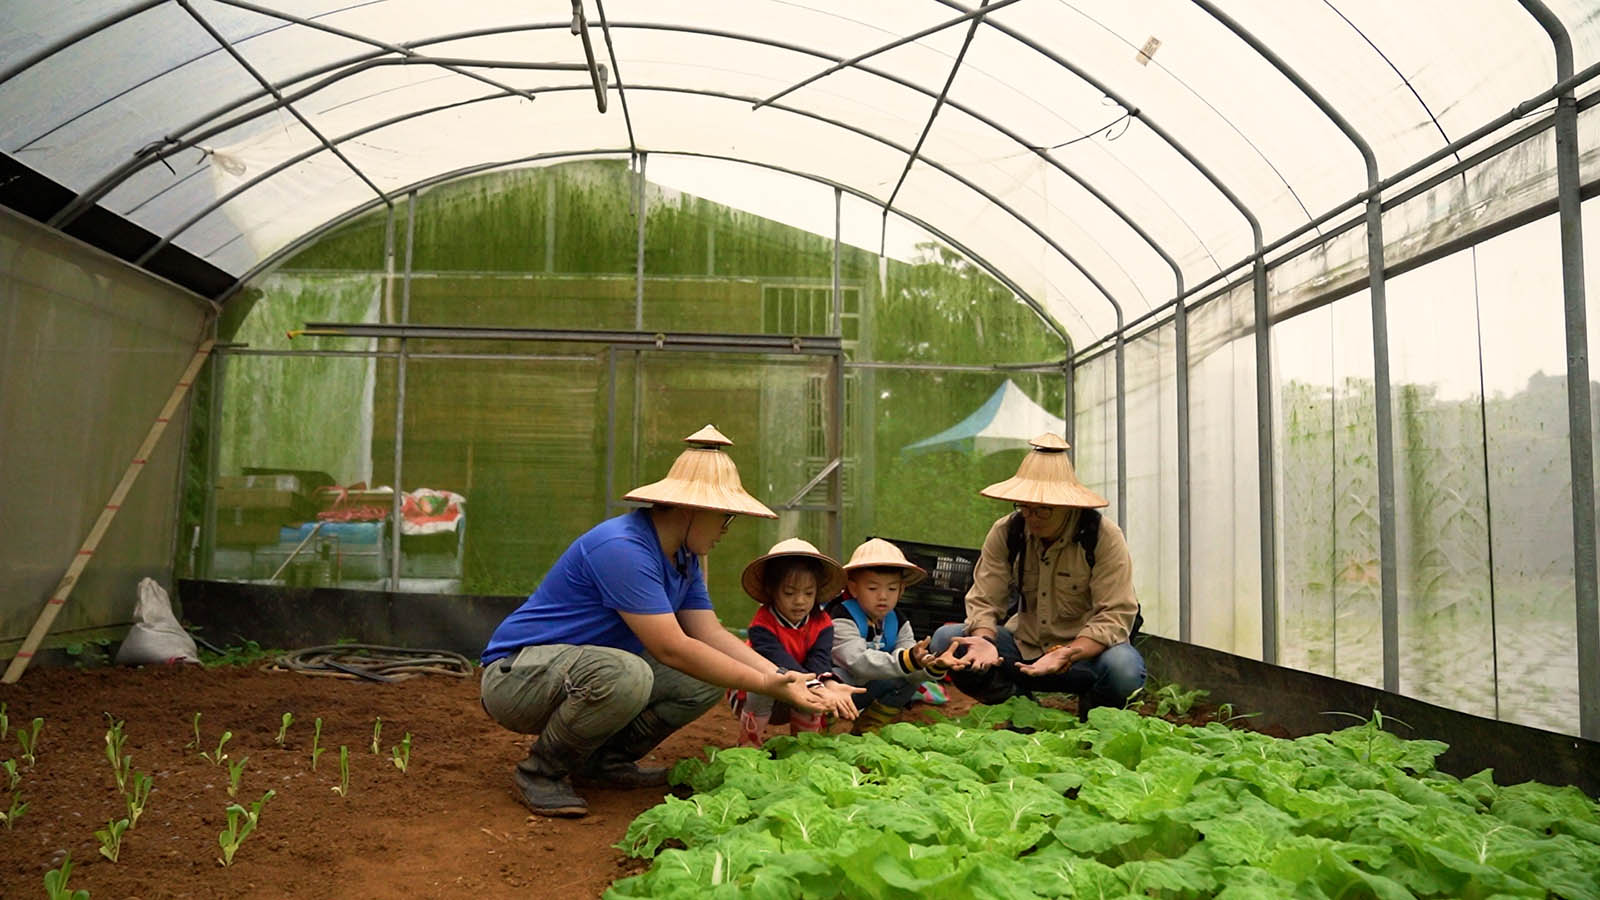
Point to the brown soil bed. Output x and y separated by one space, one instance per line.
449 827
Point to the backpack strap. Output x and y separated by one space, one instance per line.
1016 546
891 622
1088 534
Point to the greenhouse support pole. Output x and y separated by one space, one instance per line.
611 424
1265 493
1180 325
638 316
836 451
1069 402
1580 424
838 300
638 249
397 513
1122 426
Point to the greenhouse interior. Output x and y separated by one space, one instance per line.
359 314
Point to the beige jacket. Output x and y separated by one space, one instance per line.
1062 598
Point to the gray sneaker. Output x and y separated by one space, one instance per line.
549 796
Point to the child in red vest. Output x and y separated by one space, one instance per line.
792 631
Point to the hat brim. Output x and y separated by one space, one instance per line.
913 573
1044 493
753 574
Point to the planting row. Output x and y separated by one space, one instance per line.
135 786
1020 801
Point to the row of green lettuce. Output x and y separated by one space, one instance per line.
1123 806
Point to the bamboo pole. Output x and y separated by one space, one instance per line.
58 599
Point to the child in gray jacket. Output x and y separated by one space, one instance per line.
872 647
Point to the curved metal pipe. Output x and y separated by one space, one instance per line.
1185 543
1580 436
622 152
1388 552
993 200
262 79
362 63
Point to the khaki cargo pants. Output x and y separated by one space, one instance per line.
579 697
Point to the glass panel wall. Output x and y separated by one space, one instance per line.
1151 523
1530 494
1330 599
1223 476
1445 532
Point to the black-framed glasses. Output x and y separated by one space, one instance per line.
1033 512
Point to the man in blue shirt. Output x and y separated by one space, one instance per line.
619 647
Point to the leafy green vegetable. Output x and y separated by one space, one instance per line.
1020 801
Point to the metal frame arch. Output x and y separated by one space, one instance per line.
362 62
981 192
1259 287
1580 438
355 212
1388 550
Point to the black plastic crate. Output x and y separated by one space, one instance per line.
942 596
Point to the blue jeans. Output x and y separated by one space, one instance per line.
1106 680
895 692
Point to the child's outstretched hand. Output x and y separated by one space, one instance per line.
920 657
947 659
839 698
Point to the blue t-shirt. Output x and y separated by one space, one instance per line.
617 567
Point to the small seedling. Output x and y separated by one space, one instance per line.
30 741
217 758
138 795
194 744
111 838
235 769
13 777
316 741
5 722
343 788
1225 714
121 764
283 730
13 811
55 882
241 822
1172 698
377 728
402 753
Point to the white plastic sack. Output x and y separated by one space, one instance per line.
156 636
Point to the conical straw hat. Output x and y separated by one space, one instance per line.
1046 478
755 574
879 553
703 477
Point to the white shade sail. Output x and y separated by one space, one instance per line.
1008 420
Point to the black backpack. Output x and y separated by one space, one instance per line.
1086 536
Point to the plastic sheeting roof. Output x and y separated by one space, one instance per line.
1066 152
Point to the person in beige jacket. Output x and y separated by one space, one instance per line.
1051 608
